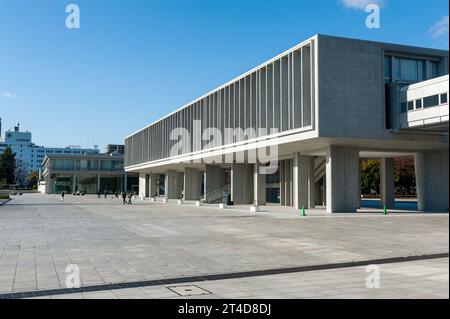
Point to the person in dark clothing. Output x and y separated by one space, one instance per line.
98 194
124 198
62 196
129 198
116 194
106 194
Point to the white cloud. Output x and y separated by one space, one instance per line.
9 95
360 4
439 29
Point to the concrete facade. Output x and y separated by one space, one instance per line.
174 184
432 181
259 186
387 183
303 181
192 183
342 179
214 180
242 183
327 103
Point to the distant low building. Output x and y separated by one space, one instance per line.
29 157
86 173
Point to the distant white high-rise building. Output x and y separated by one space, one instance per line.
29 156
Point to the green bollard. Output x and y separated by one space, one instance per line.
303 211
385 212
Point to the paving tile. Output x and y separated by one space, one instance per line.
111 243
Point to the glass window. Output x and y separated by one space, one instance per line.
82 165
421 72
62 183
92 164
434 66
410 105
413 70
117 165
444 98
106 165
408 69
68 164
387 68
431 101
403 107
418 104
86 184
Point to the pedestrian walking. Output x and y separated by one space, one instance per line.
62 196
129 198
124 198
98 194
106 194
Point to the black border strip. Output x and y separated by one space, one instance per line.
6 201
245 274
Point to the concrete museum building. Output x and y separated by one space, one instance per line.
317 109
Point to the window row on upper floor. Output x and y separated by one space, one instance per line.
426 102
408 70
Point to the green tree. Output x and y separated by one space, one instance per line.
370 177
33 179
405 178
8 165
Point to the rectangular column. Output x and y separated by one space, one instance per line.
48 184
358 193
180 185
214 179
152 185
282 183
259 187
74 183
242 183
303 181
174 184
387 181
288 182
342 179
125 182
192 184
432 181
98 183
143 185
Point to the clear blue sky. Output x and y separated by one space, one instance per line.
133 61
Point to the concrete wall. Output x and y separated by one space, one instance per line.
174 184
192 183
432 181
259 186
351 86
350 89
387 179
342 179
214 178
303 181
242 183
143 185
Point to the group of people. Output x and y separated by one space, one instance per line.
126 197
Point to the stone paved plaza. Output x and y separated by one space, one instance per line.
112 243
414 280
